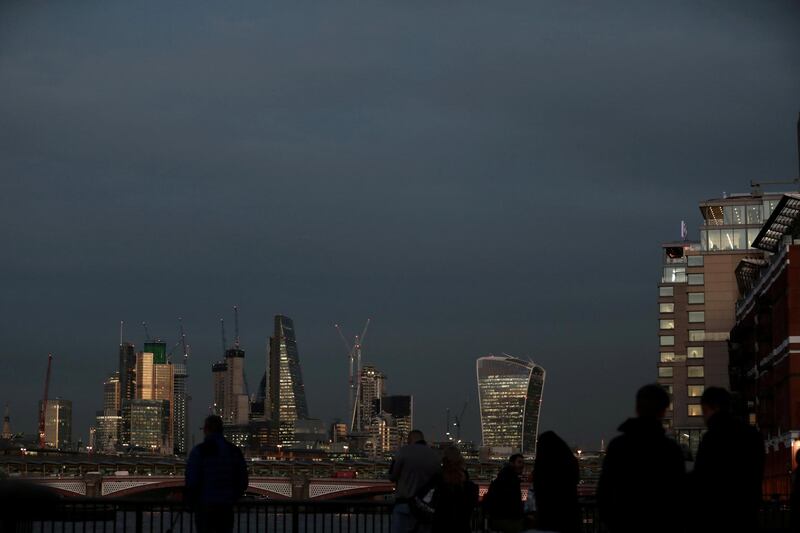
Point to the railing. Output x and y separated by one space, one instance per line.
84 515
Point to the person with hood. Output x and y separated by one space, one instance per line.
643 474
503 501
216 477
412 469
729 468
555 485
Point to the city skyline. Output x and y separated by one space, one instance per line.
478 180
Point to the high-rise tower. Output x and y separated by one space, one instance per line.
287 395
236 403
510 396
180 395
155 381
7 434
371 387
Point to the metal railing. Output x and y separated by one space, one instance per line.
98 515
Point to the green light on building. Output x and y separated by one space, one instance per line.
159 351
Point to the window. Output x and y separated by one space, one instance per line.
697 316
697 297
754 215
674 275
734 239
694 352
666 324
703 239
695 260
667 357
667 340
697 335
734 214
695 371
696 391
769 207
752 233
694 410
665 371
666 291
695 279
666 308
714 240
668 388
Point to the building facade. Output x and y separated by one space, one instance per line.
697 297
218 375
150 426
287 394
127 388
371 388
155 380
180 410
236 402
765 343
510 397
57 424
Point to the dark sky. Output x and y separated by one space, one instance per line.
476 177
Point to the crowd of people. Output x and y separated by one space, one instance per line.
644 485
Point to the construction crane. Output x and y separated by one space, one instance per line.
43 411
457 421
224 340
236 326
147 337
183 340
354 382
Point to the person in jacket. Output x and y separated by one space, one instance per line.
454 495
216 477
794 498
503 501
643 476
555 485
728 470
413 468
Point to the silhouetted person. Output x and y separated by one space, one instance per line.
555 485
794 498
503 501
216 477
412 469
643 475
454 495
729 469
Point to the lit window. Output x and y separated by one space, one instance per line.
769 207
695 371
714 240
665 291
695 260
697 316
734 214
697 335
695 279
667 340
696 391
697 297
666 308
752 233
674 275
694 410
694 352
665 371
754 214
666 324
734 239
667 357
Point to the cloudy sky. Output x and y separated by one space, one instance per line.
476 177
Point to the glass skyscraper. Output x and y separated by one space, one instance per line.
180 422
287 394
510 396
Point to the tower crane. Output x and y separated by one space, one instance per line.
457 421
224 340
236 342
43 411
147 336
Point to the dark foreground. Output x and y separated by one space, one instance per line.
83 515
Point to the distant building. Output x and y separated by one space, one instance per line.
236 402
218 375
510 396
287 394
371 387
57 424
107 431
111 394
765 342
155 381
393 421
127 388
697 296
7 433
180 411
150 426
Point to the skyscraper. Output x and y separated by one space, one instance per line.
7 434
372 384
287 395
393 421
218 372
155 381
180 410
111 394
236 402
108 422
150 426
127 387
697 294
510 396
57 423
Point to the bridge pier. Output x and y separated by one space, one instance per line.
300 488
94 482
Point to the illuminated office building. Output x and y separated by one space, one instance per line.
150 426
180 410
510 396
218 374
287 395
155 381
57 423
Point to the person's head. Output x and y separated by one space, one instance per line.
453 466
652 401
517 462
415 436
552 452
212 425
715 400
